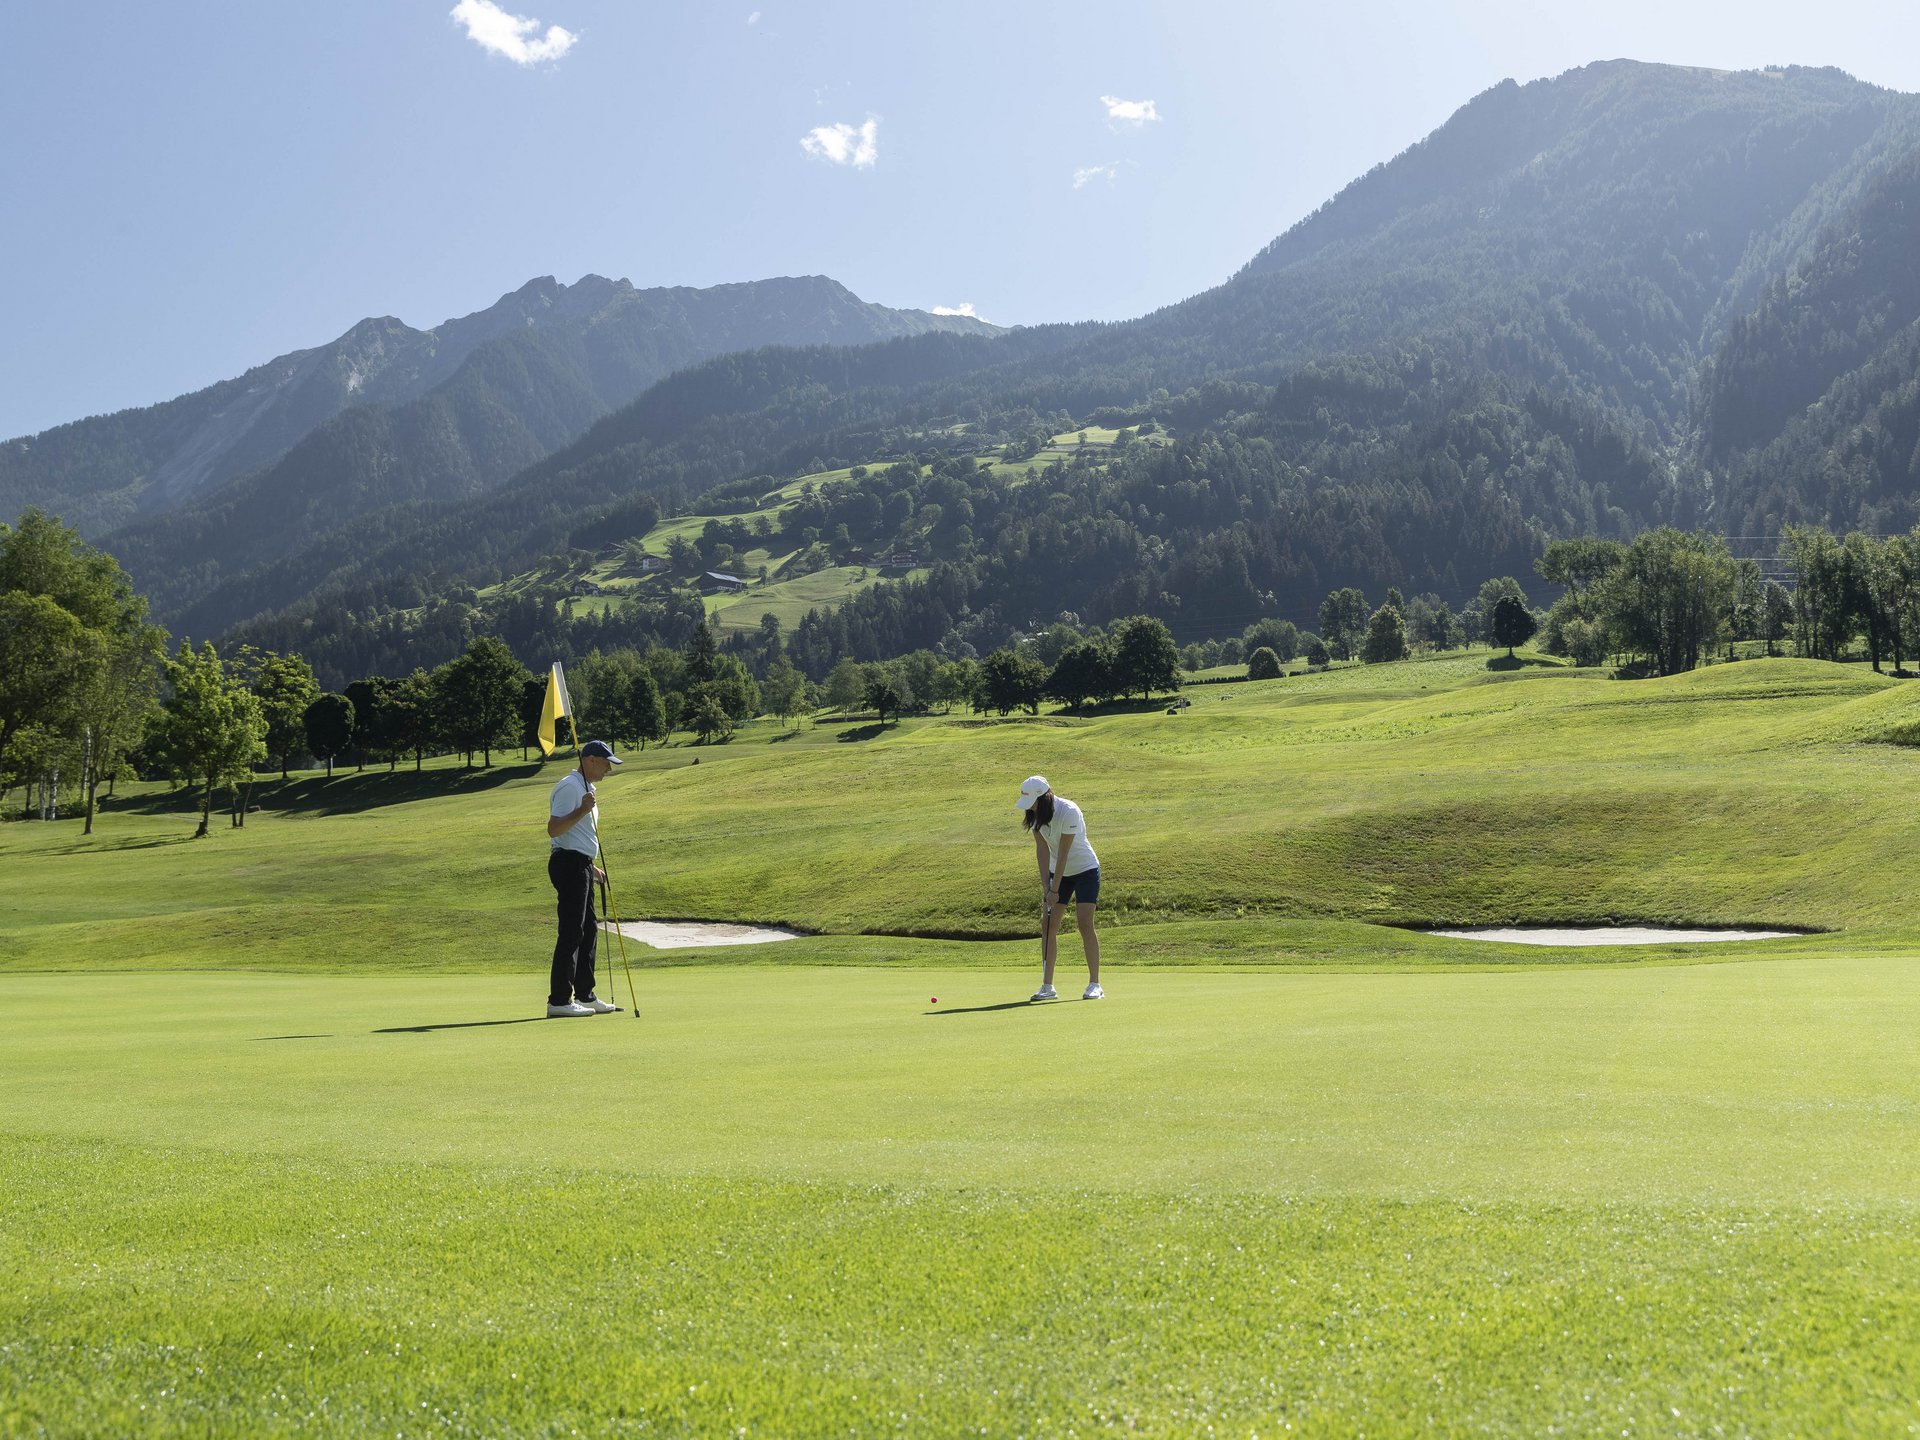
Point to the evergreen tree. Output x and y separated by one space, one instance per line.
646 716
701 656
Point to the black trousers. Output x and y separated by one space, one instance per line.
579 928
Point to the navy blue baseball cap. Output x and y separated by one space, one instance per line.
601 750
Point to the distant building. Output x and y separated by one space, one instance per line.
901 560
650 564
715 581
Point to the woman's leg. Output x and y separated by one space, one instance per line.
1083 914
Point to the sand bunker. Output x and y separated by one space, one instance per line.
686 934
1609 935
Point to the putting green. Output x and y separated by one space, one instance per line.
1786 1082
807 1202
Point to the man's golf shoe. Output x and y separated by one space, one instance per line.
572 1007
598 1006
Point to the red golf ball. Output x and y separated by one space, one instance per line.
936 1000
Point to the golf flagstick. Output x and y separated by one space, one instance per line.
606 888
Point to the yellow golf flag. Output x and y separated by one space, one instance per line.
552 708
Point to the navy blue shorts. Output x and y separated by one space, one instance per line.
1081 889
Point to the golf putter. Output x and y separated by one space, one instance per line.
606 913
620 939
1046 913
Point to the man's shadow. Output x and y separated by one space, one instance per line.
989 1009
458 1025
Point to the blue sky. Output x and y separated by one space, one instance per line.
190 189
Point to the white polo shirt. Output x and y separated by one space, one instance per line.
585 836
1067 820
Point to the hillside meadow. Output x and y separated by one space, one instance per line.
290 1154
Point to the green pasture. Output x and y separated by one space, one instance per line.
790 600
287 1151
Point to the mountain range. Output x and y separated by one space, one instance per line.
1625 296
386 413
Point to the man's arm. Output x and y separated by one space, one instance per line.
558 825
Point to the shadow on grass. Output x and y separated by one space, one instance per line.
347 792
354 794
98 846
1521 662
258 1038
862 732
458 1025
989 1009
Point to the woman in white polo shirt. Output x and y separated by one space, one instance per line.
1069 874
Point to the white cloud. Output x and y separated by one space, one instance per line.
1128 112
965 308
844 145
1088 173
754 18
513 36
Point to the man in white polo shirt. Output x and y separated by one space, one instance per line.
573 835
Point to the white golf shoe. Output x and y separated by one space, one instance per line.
598 1006
1093 992
1046 992
572 1007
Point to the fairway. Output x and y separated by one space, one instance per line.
289 1154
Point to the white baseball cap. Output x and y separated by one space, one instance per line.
1031 789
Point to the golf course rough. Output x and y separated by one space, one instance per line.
286 1153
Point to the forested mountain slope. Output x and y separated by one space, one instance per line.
513 380
1810 409
513 400
1497 337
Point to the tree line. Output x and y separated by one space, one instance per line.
89 689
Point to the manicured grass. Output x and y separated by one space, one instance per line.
1373 796
175 1293
287 1153
1768 1082
796 1202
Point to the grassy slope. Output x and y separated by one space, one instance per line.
1541 1193
1315 811
790 600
